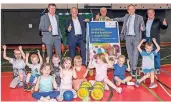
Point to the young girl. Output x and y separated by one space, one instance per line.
66 75
18 66
80 71
35 69
101 66
45 85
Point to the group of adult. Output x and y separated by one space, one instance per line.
133 30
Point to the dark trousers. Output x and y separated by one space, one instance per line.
82 46
51 94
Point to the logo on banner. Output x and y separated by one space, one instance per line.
110 24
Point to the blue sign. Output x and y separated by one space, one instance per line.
103 32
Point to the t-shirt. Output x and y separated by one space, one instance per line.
35 69
17 63
46 84
80 74
119 70
101 71
148 59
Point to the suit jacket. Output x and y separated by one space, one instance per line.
155 29
43 27
71 34
137 24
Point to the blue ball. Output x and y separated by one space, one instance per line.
68 95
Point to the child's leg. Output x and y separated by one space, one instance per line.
28 78
39 95
75 93
52 94
117 80
60 96
127 79
76 84
21 76
144 77
152 77
14 82
108 82
35 80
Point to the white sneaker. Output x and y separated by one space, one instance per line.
53 100
130 83
152 85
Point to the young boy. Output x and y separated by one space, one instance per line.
148 62
35 70
18 64
119 73
56 69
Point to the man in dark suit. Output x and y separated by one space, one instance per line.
76 34
153 26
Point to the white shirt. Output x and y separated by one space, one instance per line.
130 25
17 63
54 25
77 26
35 67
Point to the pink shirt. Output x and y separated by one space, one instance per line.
101 71
66 80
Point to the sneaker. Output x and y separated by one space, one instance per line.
53 100
133 73
25 86
20 84
157 71
152 85
130 83
137 84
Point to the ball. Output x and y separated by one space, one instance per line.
68 95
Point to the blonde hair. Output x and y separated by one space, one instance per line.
66 59
102 57
76 59
103 8
148 44
121 57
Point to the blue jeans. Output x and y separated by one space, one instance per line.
51 94
33 77
157 57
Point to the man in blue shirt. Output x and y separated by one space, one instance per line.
153 26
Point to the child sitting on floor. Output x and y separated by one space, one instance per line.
80 71
148 62
101 66
66 75
56 68
45 85
35 70
18 64
119 73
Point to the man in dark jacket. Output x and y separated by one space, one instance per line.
153 26
76 34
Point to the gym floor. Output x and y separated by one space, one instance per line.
130 93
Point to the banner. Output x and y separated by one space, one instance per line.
103 37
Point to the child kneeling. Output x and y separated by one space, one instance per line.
80 71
